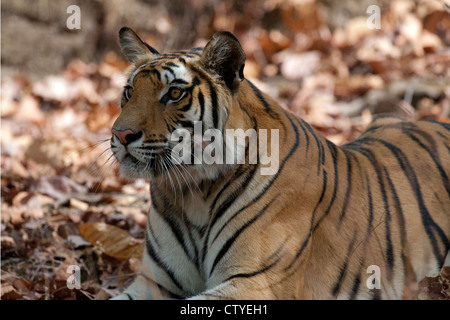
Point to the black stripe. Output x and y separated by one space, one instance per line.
266 105
378 170
376 294
186 123
152 232
448 147
370 204
355 287
171 64
249 172
255 273
189 104
167 212
275 256
264 102
300 124
170 70
152 253
129 296
349 188
444 125
319 147
389 246
312 227
229 201
431 149
334 154
190 227
214 106
169 127
400 216
213 95
236 177
233 238
333 151
149 73
442 135
340 279
357 280
274 177
429 224
398 206
179 81
167 293
201 101
152 50
195 53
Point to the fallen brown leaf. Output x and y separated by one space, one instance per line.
112 240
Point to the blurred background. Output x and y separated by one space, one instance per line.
318 58
334 63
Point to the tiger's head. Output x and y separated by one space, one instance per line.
166 92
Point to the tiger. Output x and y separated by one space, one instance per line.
363 220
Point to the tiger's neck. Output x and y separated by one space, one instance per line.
312 157
310 168
306 164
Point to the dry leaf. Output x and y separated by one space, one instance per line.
31 200
77 241
56 88
7 242
296 66
78 204
9 293
112 240
435 288
57 186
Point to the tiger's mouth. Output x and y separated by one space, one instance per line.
144 165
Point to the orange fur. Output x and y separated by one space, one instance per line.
308 232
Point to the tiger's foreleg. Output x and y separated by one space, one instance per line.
143 287
236 290
138 290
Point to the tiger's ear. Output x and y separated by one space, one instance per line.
223 55
133 47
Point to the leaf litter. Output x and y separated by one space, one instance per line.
63 201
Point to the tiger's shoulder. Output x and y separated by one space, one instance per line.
394 127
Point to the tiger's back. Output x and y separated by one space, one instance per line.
394 212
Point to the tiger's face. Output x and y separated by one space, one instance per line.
167 92
157 99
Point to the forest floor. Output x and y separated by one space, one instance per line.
64 203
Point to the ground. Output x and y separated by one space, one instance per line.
64 203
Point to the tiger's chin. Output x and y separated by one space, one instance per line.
131 168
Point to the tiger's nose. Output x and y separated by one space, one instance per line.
126 136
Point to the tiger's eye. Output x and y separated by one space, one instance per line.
175 93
